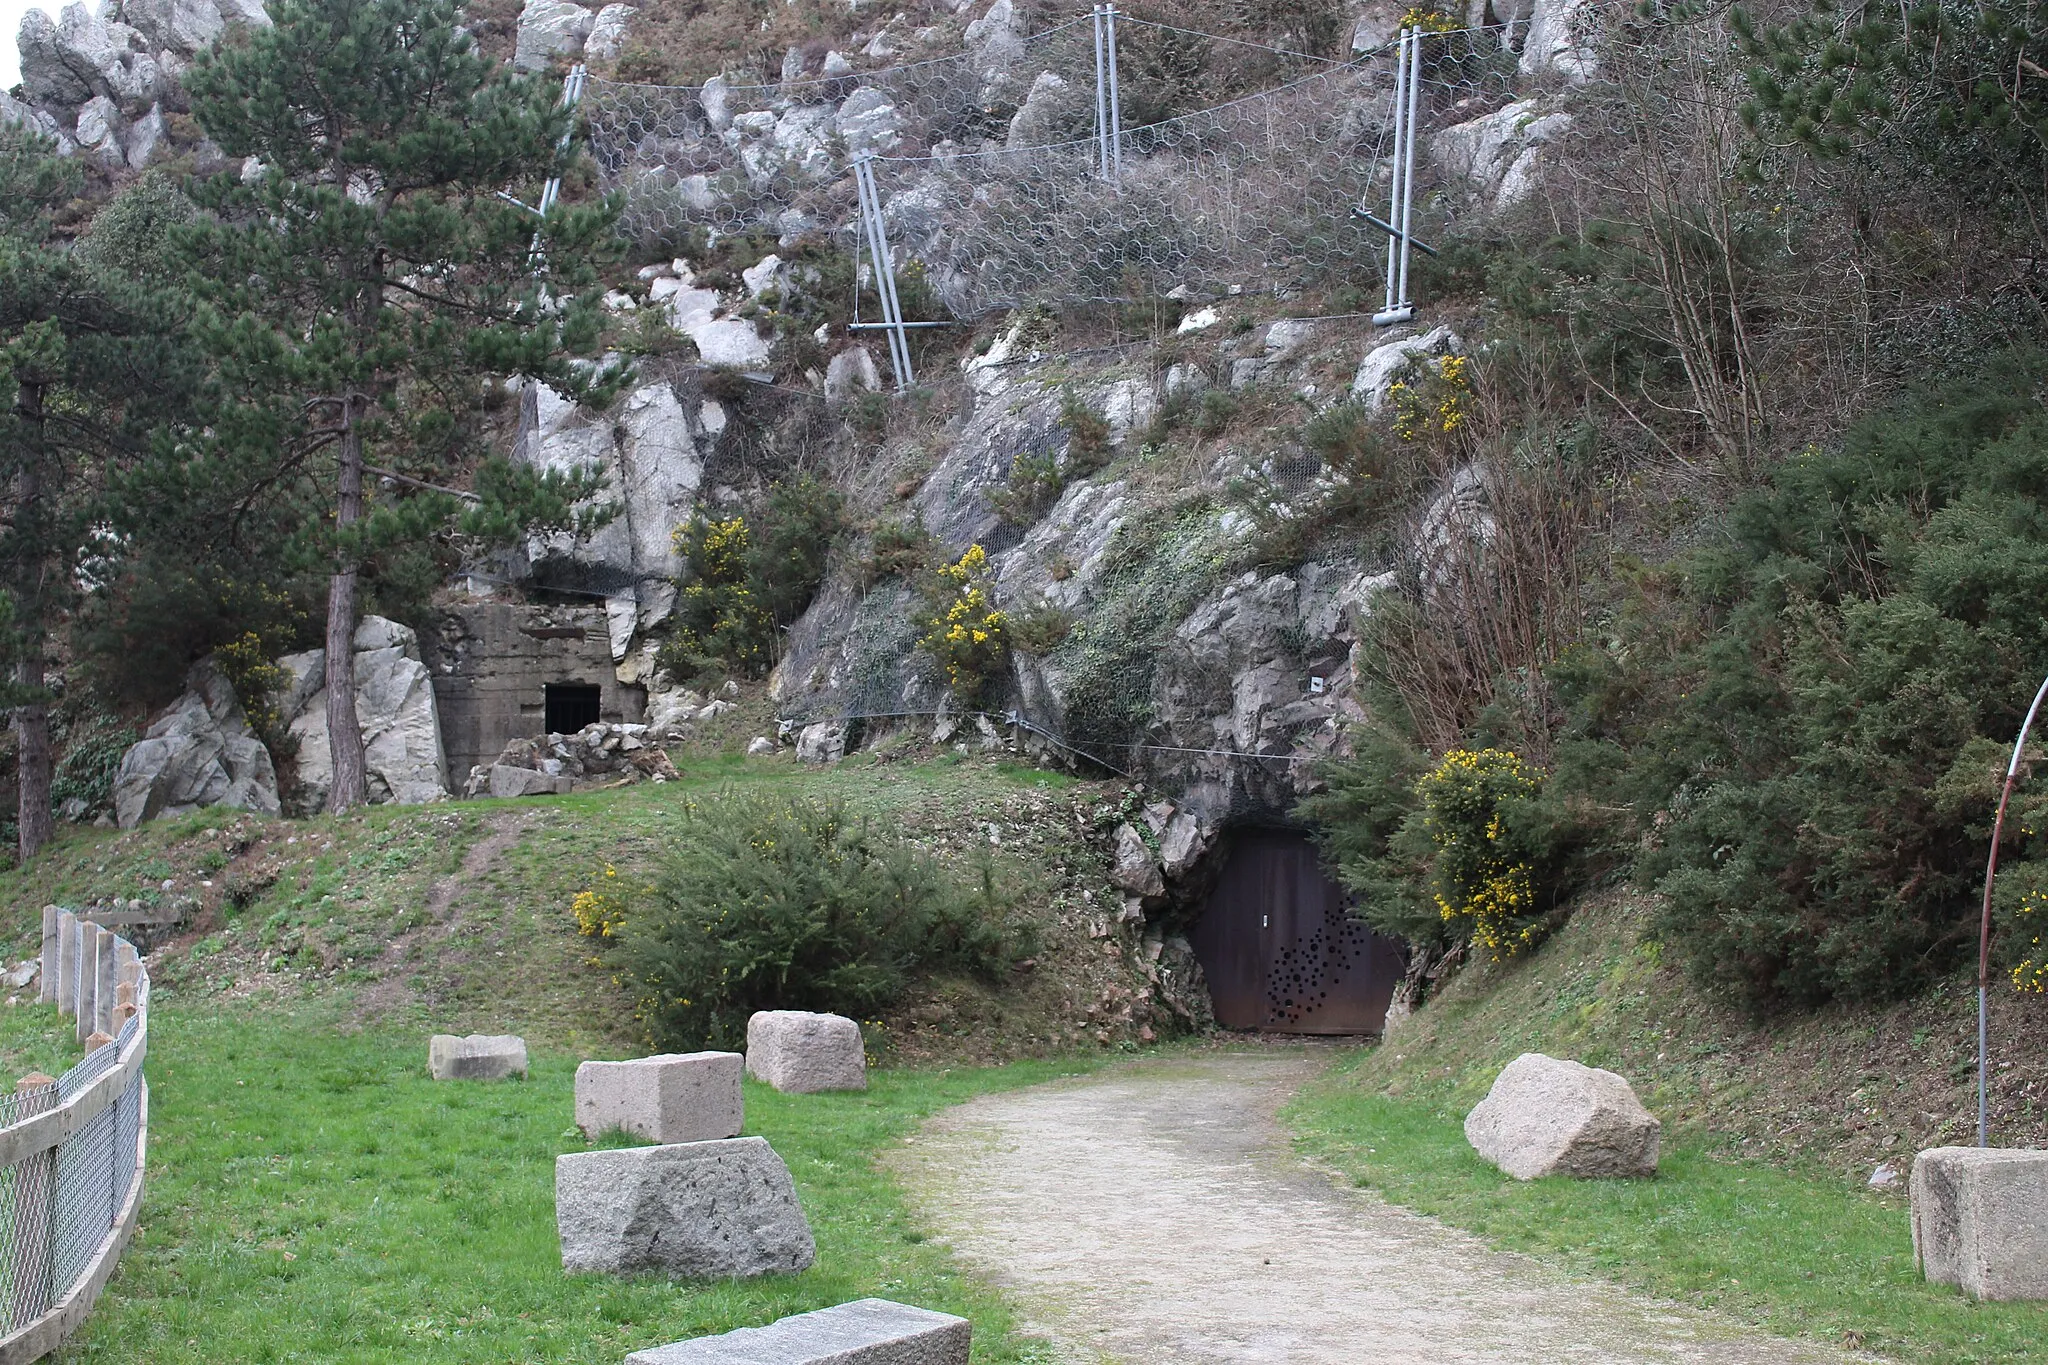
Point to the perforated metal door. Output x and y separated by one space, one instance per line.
1281 951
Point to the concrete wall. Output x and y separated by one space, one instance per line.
492 662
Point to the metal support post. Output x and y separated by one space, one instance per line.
885 271
1116 113
1101 98
1406 303
1397 190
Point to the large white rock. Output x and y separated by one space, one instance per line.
868 120
801 1053
548 28
188 26
1556 43
1383 365
394 706
1545 1116
1499 155
732 342
608 33
692 1209
674 1097
851 372
864 1332
199 752
1980 1220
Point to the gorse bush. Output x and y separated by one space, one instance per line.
744 579
966 636
767 901
1807 720
1486 859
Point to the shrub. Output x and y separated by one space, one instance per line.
1040 628
93 748
967 637
744 581
898 549
1485 864
768 901
1809 727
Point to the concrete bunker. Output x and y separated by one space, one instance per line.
505 670
1280 948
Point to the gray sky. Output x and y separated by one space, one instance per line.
10 24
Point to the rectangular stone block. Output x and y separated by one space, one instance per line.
864 1332
693 1209
1980 1220
675 1097
479 1057
800 1053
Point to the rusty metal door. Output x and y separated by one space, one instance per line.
1281 951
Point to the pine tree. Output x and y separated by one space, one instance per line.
90 362
367 290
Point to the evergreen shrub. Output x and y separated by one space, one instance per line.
771 901
744 579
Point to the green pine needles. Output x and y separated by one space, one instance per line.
366 291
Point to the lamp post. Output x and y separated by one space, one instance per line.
2012 770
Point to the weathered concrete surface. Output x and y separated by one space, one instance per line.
864 1332
1548 1116
801 1053
1156 1214
693 1209
1980 1220
673 1097
479 1057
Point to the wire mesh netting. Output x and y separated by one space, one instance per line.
1006 177
58 1205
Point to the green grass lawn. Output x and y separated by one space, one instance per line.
1801 1255
314 1197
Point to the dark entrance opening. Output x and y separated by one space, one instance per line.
1280 949
571 706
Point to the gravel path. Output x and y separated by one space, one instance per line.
1155 1215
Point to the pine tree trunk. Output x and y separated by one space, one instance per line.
344 731
32 737
33 764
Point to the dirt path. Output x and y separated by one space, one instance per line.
1156 1216
388 986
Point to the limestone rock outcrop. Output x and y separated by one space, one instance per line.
198 752
651 449
395 707
103 83
1546 1116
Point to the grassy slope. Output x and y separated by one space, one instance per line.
1759 1208
457 917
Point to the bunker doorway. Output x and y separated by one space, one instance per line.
1280 949
571 706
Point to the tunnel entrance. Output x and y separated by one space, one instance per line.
571 706
1280 949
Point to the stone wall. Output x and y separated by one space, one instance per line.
492 663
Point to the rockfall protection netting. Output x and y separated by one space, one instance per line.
1018 172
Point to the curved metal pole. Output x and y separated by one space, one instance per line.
2012 770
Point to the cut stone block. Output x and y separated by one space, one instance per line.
692 1209
479 1057
676 1097
800 1053
1980 1220
864 1332
1545 1116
